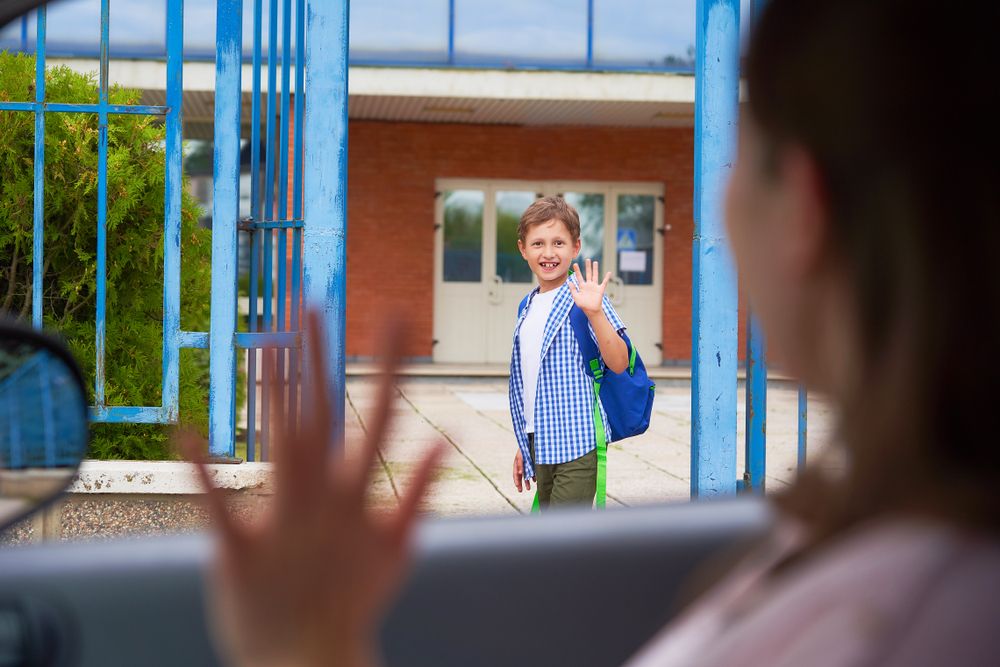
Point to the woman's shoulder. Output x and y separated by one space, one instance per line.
895 592
947 603
899 592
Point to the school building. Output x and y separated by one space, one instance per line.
461 113
438 179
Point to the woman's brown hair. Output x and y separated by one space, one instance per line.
895 100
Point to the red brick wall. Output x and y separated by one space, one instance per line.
392 170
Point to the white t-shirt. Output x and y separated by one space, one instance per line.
530 336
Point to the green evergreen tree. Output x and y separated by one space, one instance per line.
135 203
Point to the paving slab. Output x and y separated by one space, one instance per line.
460 488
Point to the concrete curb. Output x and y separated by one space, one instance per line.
166 478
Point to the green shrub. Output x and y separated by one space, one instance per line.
135 201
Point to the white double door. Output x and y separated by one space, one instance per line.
480 276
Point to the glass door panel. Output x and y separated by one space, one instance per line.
463 236
510 205
636 233
590 206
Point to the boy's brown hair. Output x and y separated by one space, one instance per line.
549 208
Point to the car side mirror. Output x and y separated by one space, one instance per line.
44 424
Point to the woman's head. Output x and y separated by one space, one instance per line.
864 213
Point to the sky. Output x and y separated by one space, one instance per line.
626 32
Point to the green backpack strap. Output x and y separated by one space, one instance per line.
601 496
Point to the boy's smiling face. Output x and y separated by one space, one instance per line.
549 249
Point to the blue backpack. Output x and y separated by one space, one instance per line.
627 397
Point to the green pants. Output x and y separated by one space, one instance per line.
570 483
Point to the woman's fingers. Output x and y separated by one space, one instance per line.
390 351
192 447
409 504
316 408
290 462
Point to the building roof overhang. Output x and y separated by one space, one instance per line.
445 95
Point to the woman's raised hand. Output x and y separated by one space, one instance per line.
306 583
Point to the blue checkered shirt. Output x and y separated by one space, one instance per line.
564 400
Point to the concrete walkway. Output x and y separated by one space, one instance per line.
472 416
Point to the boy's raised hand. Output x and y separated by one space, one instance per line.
588 294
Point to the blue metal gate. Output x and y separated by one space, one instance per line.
319 194
316 272
715 299
173 337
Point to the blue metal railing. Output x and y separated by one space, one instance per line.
38 246
317 251
324 254
755 451
254 235
269 217
173 337
803 427
714 311
320 267
714 304
225 217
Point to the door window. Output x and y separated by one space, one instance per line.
636 215
510 205
590 206
463 236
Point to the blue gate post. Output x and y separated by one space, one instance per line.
714 305
299 111
255 235
225 214
756 408
102 208
803 426
324 234
173 184
38 247
755 467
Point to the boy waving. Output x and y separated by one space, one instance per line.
551 394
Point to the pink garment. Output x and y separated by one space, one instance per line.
900 593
